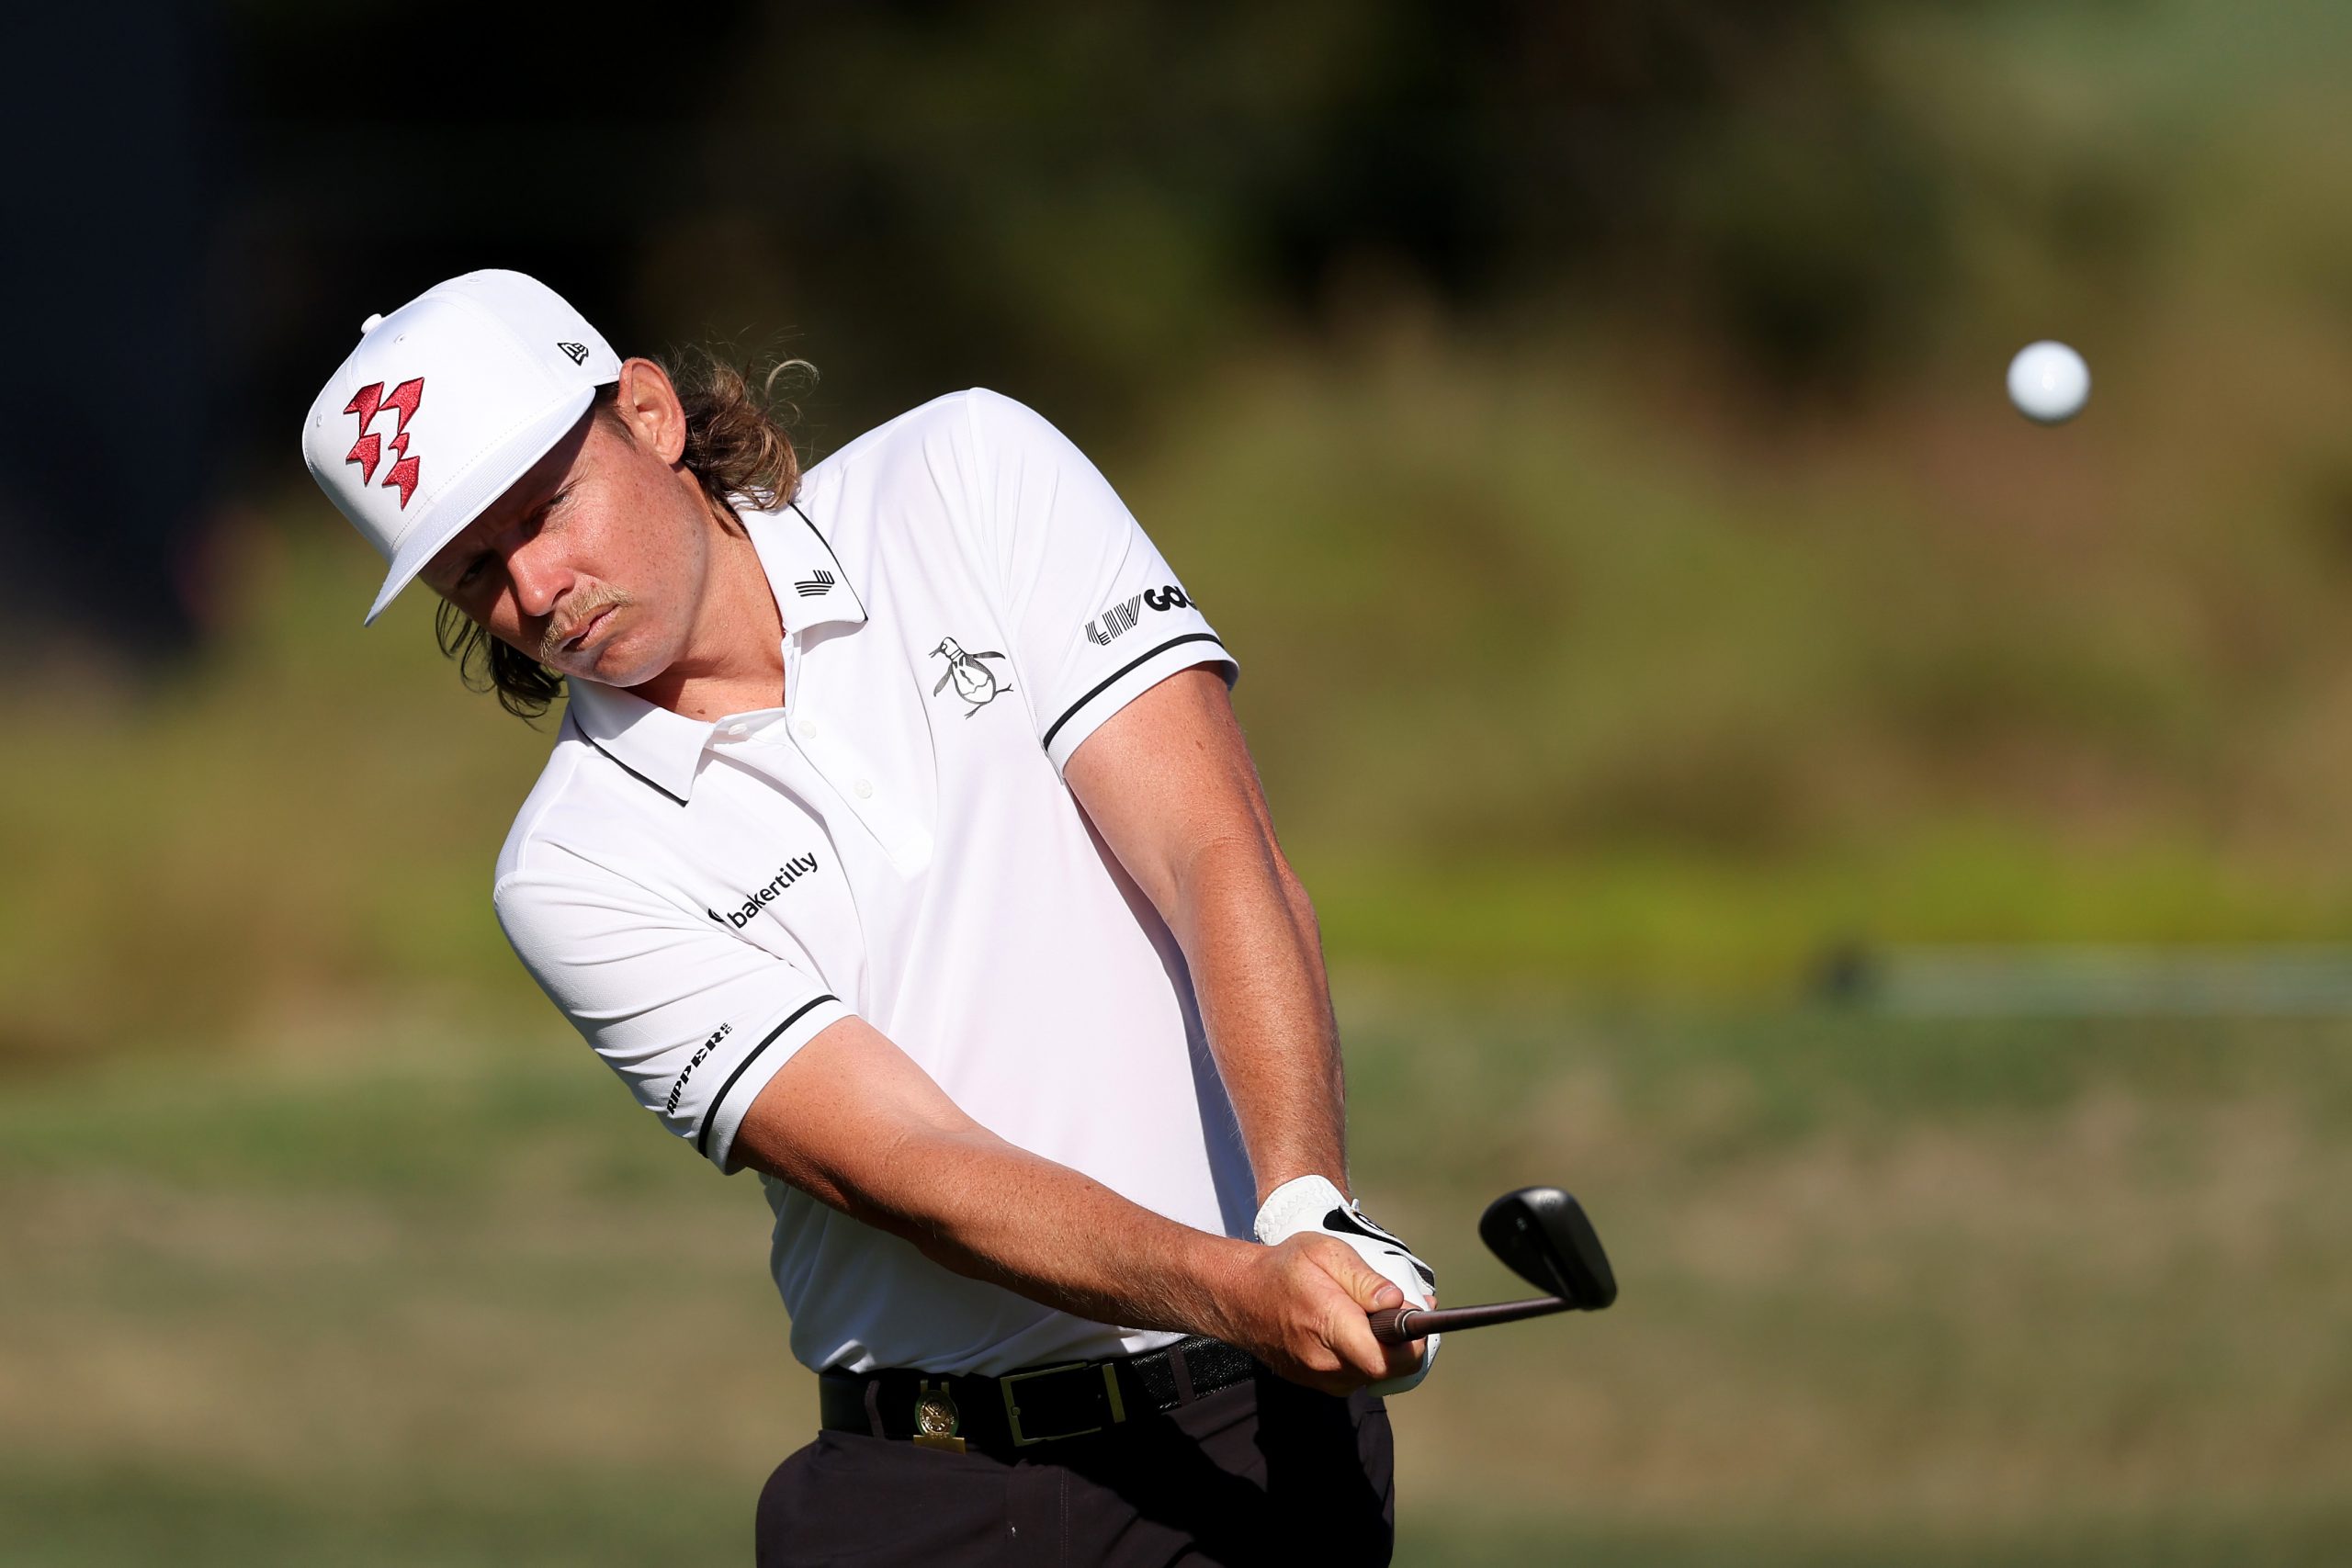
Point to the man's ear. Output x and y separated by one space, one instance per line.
648 407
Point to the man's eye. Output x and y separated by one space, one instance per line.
473 570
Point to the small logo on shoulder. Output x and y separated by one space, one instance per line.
813 584
1112 621
575 352
1122 617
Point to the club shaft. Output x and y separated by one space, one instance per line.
1400 1325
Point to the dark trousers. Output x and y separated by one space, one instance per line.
1260 1473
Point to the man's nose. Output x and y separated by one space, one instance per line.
536 569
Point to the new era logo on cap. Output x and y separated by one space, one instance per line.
575 352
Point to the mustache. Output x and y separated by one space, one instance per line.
576 618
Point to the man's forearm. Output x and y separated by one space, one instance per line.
1169 783
1248 933
991 1210
999 1213
854 1123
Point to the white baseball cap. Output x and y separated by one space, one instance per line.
445 404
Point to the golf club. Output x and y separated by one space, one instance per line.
1543 1235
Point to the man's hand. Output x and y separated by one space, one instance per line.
1303 1308
1313 1205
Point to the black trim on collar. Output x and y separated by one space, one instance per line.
617 763
1141 659
837 559
702 1133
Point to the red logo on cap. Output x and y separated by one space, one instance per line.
368 452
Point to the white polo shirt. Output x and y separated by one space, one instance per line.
964 599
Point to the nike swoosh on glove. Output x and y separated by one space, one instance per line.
1313 1203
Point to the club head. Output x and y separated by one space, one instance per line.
1543 1235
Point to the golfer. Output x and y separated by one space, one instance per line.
897 843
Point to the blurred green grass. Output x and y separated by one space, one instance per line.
1974 1292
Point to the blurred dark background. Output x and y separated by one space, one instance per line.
1073 200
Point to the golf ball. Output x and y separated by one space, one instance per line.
2049 382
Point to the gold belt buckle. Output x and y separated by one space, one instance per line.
936 1418
1013 1411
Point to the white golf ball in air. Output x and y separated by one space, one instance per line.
2049 382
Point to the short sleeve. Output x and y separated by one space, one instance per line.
694 1020
1095 615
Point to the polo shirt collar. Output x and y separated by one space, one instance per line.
660 747
664 748
810 588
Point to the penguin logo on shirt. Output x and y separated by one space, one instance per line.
975 682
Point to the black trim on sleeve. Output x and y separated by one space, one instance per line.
618 764
702 1133
1124 670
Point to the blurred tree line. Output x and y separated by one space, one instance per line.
1092 197
1085 202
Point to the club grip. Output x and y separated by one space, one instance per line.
1393 1325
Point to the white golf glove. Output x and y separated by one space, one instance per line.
1312 1203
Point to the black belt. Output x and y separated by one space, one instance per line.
1009 1415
